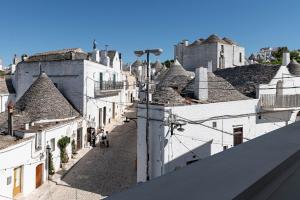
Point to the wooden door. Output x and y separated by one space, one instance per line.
237 136
17 181
38 175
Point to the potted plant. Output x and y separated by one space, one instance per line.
51 170
62 144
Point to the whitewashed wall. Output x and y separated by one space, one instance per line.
168 153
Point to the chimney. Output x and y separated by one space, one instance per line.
10 110
201 84
96 55
286 58
209 66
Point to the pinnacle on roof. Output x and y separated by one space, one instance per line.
43 101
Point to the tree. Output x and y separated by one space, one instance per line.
62 144
168 63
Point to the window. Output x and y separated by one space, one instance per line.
240 57
222 48
38 141
237 136
214 124
259 116
52 144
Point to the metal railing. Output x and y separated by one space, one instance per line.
108 85
279 101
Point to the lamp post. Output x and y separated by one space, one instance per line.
140 53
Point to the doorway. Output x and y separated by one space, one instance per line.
38 175
79 138
17 181
237 136
104 115
100 118
113 110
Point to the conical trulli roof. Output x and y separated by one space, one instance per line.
43 101
175 70
157 66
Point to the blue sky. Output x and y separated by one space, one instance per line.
126 25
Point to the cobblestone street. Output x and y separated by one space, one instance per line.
101 172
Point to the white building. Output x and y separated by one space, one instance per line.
7 92
40 117
92 82
222 53
193 117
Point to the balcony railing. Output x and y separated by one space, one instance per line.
273 101
108 88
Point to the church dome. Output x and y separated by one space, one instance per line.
294 67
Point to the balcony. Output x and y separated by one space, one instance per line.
279 102
108 88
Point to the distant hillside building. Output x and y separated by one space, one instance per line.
220 53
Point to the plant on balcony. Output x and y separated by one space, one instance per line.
62 144
51 169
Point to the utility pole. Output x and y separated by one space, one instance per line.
156 52
147 113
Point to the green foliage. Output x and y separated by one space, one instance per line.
168 63
294 54
62 144
50 165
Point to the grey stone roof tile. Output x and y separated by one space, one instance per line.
247 78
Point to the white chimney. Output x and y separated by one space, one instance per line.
104 59
96 56
26 126
286 58
209 66
201 84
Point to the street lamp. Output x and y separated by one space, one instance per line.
140 53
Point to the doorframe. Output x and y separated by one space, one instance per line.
21 181
42 171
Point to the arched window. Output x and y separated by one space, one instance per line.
279 88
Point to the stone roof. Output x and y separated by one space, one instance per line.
7 140
294 67
219 90
136 63
43 101
167 95
64 54
176 75
6 86
157 66
213 39
176 86
229 41
247 78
